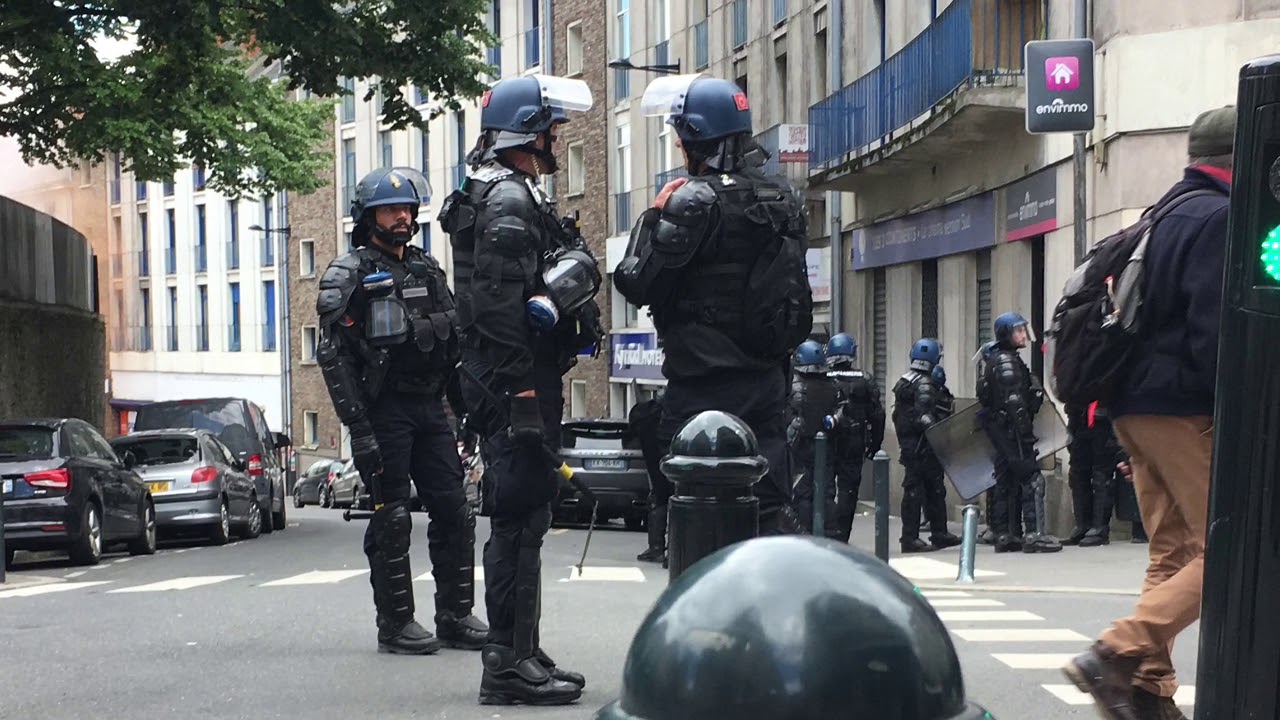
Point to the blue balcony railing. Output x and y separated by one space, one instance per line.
170 261
532 47
622 212
973 42
666 176
621 85
202 258
233 256
662 53
459 174
701 46
739 23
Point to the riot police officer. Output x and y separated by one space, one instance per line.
1011 397
859 431
719 262
815 401
643 422
525 284
918 404
1092 454
388 347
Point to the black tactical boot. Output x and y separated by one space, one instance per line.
915 545
508 680
1008 543
453 564
988 537
1077 534
1040 543
467 633
405 638
1096 537
568 676
653 554
657 535
943 540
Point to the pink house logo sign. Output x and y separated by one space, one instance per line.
1062 73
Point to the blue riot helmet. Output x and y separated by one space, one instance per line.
939 375
810 354
383 187
516 111
926 353
1006 324
711 116
841 348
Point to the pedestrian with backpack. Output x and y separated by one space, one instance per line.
1162 408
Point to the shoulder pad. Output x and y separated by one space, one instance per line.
337 285
491 172
691 201
504 225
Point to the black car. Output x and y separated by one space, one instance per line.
66 489
242 427
315 486
605 455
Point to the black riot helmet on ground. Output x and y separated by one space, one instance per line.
796 628
711 116
515 112
385 187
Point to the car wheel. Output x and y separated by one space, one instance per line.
269 524
253 527
221 533
8 558
279 520
145 544
326 497
635 523
87 549
297 499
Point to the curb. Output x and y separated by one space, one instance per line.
14 581
1047 589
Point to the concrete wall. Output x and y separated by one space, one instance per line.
52 342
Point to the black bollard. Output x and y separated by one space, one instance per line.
4 555
880 476
821 476
714 461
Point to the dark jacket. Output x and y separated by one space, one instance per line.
1173 372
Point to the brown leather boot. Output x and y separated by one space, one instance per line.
1108 677
1155 707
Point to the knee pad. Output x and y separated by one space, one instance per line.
392 527
536 526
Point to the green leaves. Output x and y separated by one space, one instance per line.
211 81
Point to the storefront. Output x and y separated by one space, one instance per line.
1031 213
635 369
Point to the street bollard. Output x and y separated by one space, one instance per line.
4 555
821 476
713 463
968 544
880 476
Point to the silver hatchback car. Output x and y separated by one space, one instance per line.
198 486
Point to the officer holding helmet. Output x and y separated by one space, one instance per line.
388 347
719 262
526 284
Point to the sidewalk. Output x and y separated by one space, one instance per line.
1115 569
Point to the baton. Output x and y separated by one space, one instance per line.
375 500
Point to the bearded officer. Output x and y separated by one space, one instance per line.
387 348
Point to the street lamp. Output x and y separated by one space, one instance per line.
671 69
286 365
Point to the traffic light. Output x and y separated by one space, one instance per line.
1261 189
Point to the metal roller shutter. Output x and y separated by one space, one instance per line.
879 326
929 298
985 332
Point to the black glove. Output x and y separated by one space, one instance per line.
526 420
364 450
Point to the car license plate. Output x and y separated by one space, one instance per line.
605 464
158 487
8 487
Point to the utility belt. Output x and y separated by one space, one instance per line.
414 386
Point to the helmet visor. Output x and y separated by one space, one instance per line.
665 95
420 184
564 93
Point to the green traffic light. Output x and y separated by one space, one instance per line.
1271 253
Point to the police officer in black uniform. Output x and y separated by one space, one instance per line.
719 262
815 400
918 404
388 347
525 285
1092 455
1010 398
859 430
643 422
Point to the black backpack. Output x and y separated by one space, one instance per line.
1097 322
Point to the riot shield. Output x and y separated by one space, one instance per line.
961 444
1050 431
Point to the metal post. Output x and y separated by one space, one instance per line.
4 556
1081 30
820 480
880 477
968 544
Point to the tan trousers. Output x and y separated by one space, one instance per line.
1171 459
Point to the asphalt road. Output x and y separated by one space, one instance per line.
282 627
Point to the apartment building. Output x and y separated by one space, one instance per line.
776 51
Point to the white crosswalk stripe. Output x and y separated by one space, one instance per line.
1186 695
316 577
182 583
987 616
1034 661
50 588
428 577
605 574
941 594
964 602
922 568
1019 635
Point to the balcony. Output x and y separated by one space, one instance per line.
957 85
661 179
233 255
662 53
701 46
202 258
622 213
459 174
532 54
621 85
170 261
739 24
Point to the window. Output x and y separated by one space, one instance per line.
268 238
578 399
171 248
779 12
622 180
115 179
424 152
662 23
144 343
348 172
821 59
577 169
387 150
739 24
701 50
310 428
307 258
140 189
985 331
309 336
269 315
929 298
348 100
573 48
233 335
426 236
622 29
172 345
168 187
780 72
144 264
532 36
233 234
202 330
197 177
202 255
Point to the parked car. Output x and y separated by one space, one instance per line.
65 488
346 489
606 457
242 427
315 486
196 483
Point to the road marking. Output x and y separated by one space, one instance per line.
316 577
604 574
964 602
179 551
1185 696
183 583
75 574
1034 661
97 567
932 594
120 560
920 568
559 531
428 577
1020 635
986 615
50 588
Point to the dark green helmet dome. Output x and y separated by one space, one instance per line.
791 628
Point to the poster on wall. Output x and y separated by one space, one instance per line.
818 261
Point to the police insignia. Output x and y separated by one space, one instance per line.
395 180
346 321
